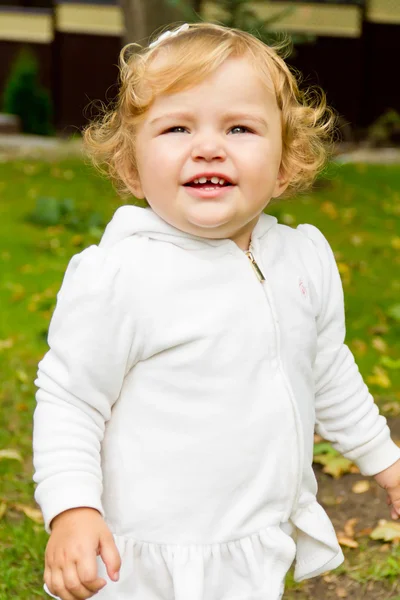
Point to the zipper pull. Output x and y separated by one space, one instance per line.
255 266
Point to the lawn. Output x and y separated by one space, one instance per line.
358 209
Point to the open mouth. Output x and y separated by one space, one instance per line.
211 183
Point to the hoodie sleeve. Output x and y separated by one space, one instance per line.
346 414
92 347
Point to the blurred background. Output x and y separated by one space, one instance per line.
58 60
57 56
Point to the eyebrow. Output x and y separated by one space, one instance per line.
227 117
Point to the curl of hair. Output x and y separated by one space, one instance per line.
179 62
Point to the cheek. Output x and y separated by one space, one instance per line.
165 160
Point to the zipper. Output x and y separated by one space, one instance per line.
255 266
297 419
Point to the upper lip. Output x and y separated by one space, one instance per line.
209 175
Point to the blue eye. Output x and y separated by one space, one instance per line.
242 127
175 129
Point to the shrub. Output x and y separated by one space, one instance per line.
25 97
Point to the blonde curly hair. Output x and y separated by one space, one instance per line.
193 54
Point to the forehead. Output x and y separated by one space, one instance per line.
235 83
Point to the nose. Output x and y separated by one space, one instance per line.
208 147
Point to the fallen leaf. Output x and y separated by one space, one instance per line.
354 469
360 487
334 463
288 219
21 375
6 343
379 344
347 215
341 592
3 508
395 243
392 408
379 329
349 527
359 347
356 240
388 531
32 513
379 378
365 531
329 209
27 269
337 466
344 540
345 272
10 454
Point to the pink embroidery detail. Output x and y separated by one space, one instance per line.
302 287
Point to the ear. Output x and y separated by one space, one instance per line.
282 181
136 187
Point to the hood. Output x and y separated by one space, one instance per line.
133 220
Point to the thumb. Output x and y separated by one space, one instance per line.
110 556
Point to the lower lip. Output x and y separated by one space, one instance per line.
208 194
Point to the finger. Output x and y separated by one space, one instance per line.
74 585
110 556
87 573
57 586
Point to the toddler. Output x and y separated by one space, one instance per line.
194 350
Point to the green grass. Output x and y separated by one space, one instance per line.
357 207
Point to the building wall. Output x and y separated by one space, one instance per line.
78 45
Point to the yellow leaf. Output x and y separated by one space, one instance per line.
395 243
27 269
346 541
360 487
6 344
347 215
3 508
349 527
379 378
10 454
391 408
379 344
345 272
32 513
386 530
359 347
329 209
356 240
77 240
21 375
337 466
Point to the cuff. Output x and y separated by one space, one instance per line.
379 459
65 491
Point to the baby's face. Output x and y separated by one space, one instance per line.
227 127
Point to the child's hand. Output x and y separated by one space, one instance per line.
77 536
389 480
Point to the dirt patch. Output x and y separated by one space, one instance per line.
342 504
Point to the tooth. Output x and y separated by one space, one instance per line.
221 181
202 179
214 179
195 181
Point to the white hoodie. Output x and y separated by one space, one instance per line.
179 398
